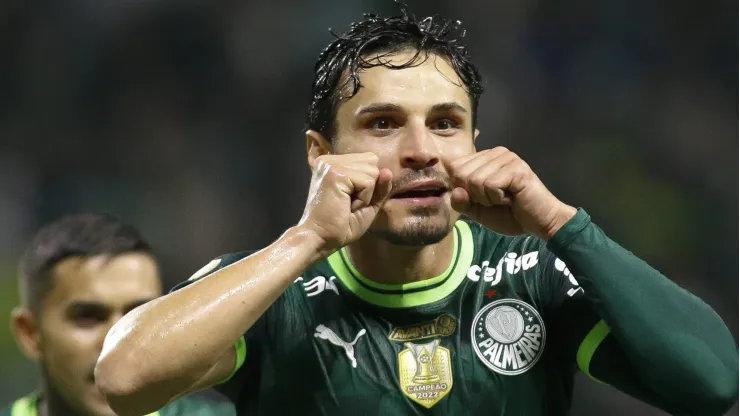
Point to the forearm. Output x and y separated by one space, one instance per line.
677 345
169 344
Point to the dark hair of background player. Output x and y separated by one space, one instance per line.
83 235
339 63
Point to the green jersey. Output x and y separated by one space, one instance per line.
501 331
186 406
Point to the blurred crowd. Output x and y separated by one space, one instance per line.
185 118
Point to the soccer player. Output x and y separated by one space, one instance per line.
383 300
79 276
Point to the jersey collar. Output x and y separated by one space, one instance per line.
409 294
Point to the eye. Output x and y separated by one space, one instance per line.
88 316
444 124
382 123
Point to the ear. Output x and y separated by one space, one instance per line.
316 145
475 137
25 327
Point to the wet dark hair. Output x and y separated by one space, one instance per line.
84 235
376 37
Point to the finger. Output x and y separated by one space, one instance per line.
363 187
496 157
475 181
383 188
359 168
509 178
347 159
460 200
488 182
456 163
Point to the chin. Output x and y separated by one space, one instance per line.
416 230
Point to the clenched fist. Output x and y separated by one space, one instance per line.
499 190
345 195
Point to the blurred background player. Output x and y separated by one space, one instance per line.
79 276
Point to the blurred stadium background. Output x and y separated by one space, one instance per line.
185 118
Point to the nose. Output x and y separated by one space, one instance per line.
418 148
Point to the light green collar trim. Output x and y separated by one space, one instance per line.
26 406
29 406
409 294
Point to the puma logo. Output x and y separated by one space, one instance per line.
323 332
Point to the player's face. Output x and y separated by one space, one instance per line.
88 296
414 119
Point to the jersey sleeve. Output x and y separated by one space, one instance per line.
231 383
197 406
623 323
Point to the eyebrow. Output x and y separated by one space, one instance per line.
448 107
390 108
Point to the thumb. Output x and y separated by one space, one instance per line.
366 215
460 200
383 187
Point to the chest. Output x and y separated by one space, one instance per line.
482 347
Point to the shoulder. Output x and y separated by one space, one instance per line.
197 406
213 266
219 263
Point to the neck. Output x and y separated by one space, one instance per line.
387 263
52 403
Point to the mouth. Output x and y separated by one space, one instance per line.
421 190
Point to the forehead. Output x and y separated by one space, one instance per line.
113 281
417 87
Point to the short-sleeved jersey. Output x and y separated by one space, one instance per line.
482 338
186 406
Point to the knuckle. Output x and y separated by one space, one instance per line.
490 182
522 167
478 179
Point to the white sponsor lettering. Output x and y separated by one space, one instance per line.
561 267
511 263
318 284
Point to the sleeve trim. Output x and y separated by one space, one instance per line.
570 230
241 354
589 345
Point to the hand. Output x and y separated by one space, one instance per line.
344 198
499 190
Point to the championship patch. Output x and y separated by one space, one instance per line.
425 368
205 270
425 372
508 336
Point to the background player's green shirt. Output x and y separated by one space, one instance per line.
501 331
186 406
